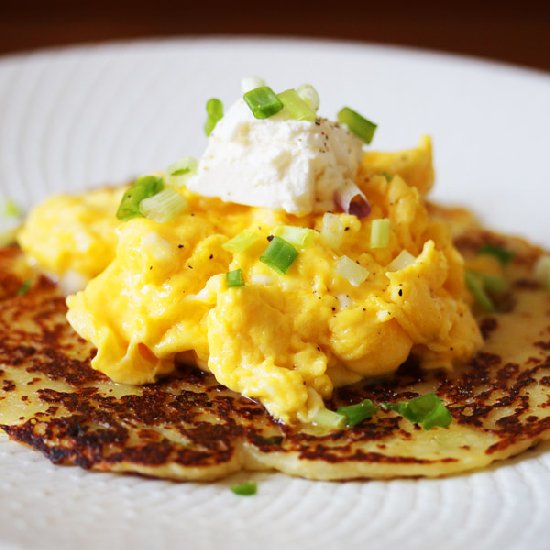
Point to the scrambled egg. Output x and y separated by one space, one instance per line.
73 234
286 340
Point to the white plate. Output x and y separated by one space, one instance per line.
73 118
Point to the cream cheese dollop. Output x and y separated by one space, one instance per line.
297 166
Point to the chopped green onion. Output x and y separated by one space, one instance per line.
10 210
332 230
143 188
310 95
301 237
501 254
380 233
241 242
163 206
401 261
235 278
183 167
296 107
329 419
427 410
357 124
493 283
214 109
355 414
542 271
279 255
244 489
263 102
250 82
24 288
354 273
474 282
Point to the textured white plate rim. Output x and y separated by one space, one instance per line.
388 513
251 40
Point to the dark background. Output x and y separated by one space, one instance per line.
514 32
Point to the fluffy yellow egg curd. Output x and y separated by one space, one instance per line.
73 235
284 339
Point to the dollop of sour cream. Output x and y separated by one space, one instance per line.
297 166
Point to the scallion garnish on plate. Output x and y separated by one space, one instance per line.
248 488
310 95
164 206
10 210
380 233
24 288
235 278
427 410
279 255
501 254
357 124
241 242
329 419
214 110
355 414
300 237
296 107
475 283
143 188
263 102
353 272
183 167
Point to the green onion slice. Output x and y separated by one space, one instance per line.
403 260
244 489
329 419
357 124
310 95
493 283
296 107
332 230
164 206
427 410
24 288
355 414
143 188
10 210
183 167
234 278
501 254
241 242
214 110
354 273
263 102
300 237
279 255
475 285
380 233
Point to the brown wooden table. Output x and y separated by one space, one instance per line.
514 32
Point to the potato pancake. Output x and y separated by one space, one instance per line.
188 427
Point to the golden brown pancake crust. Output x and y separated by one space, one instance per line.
188 427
